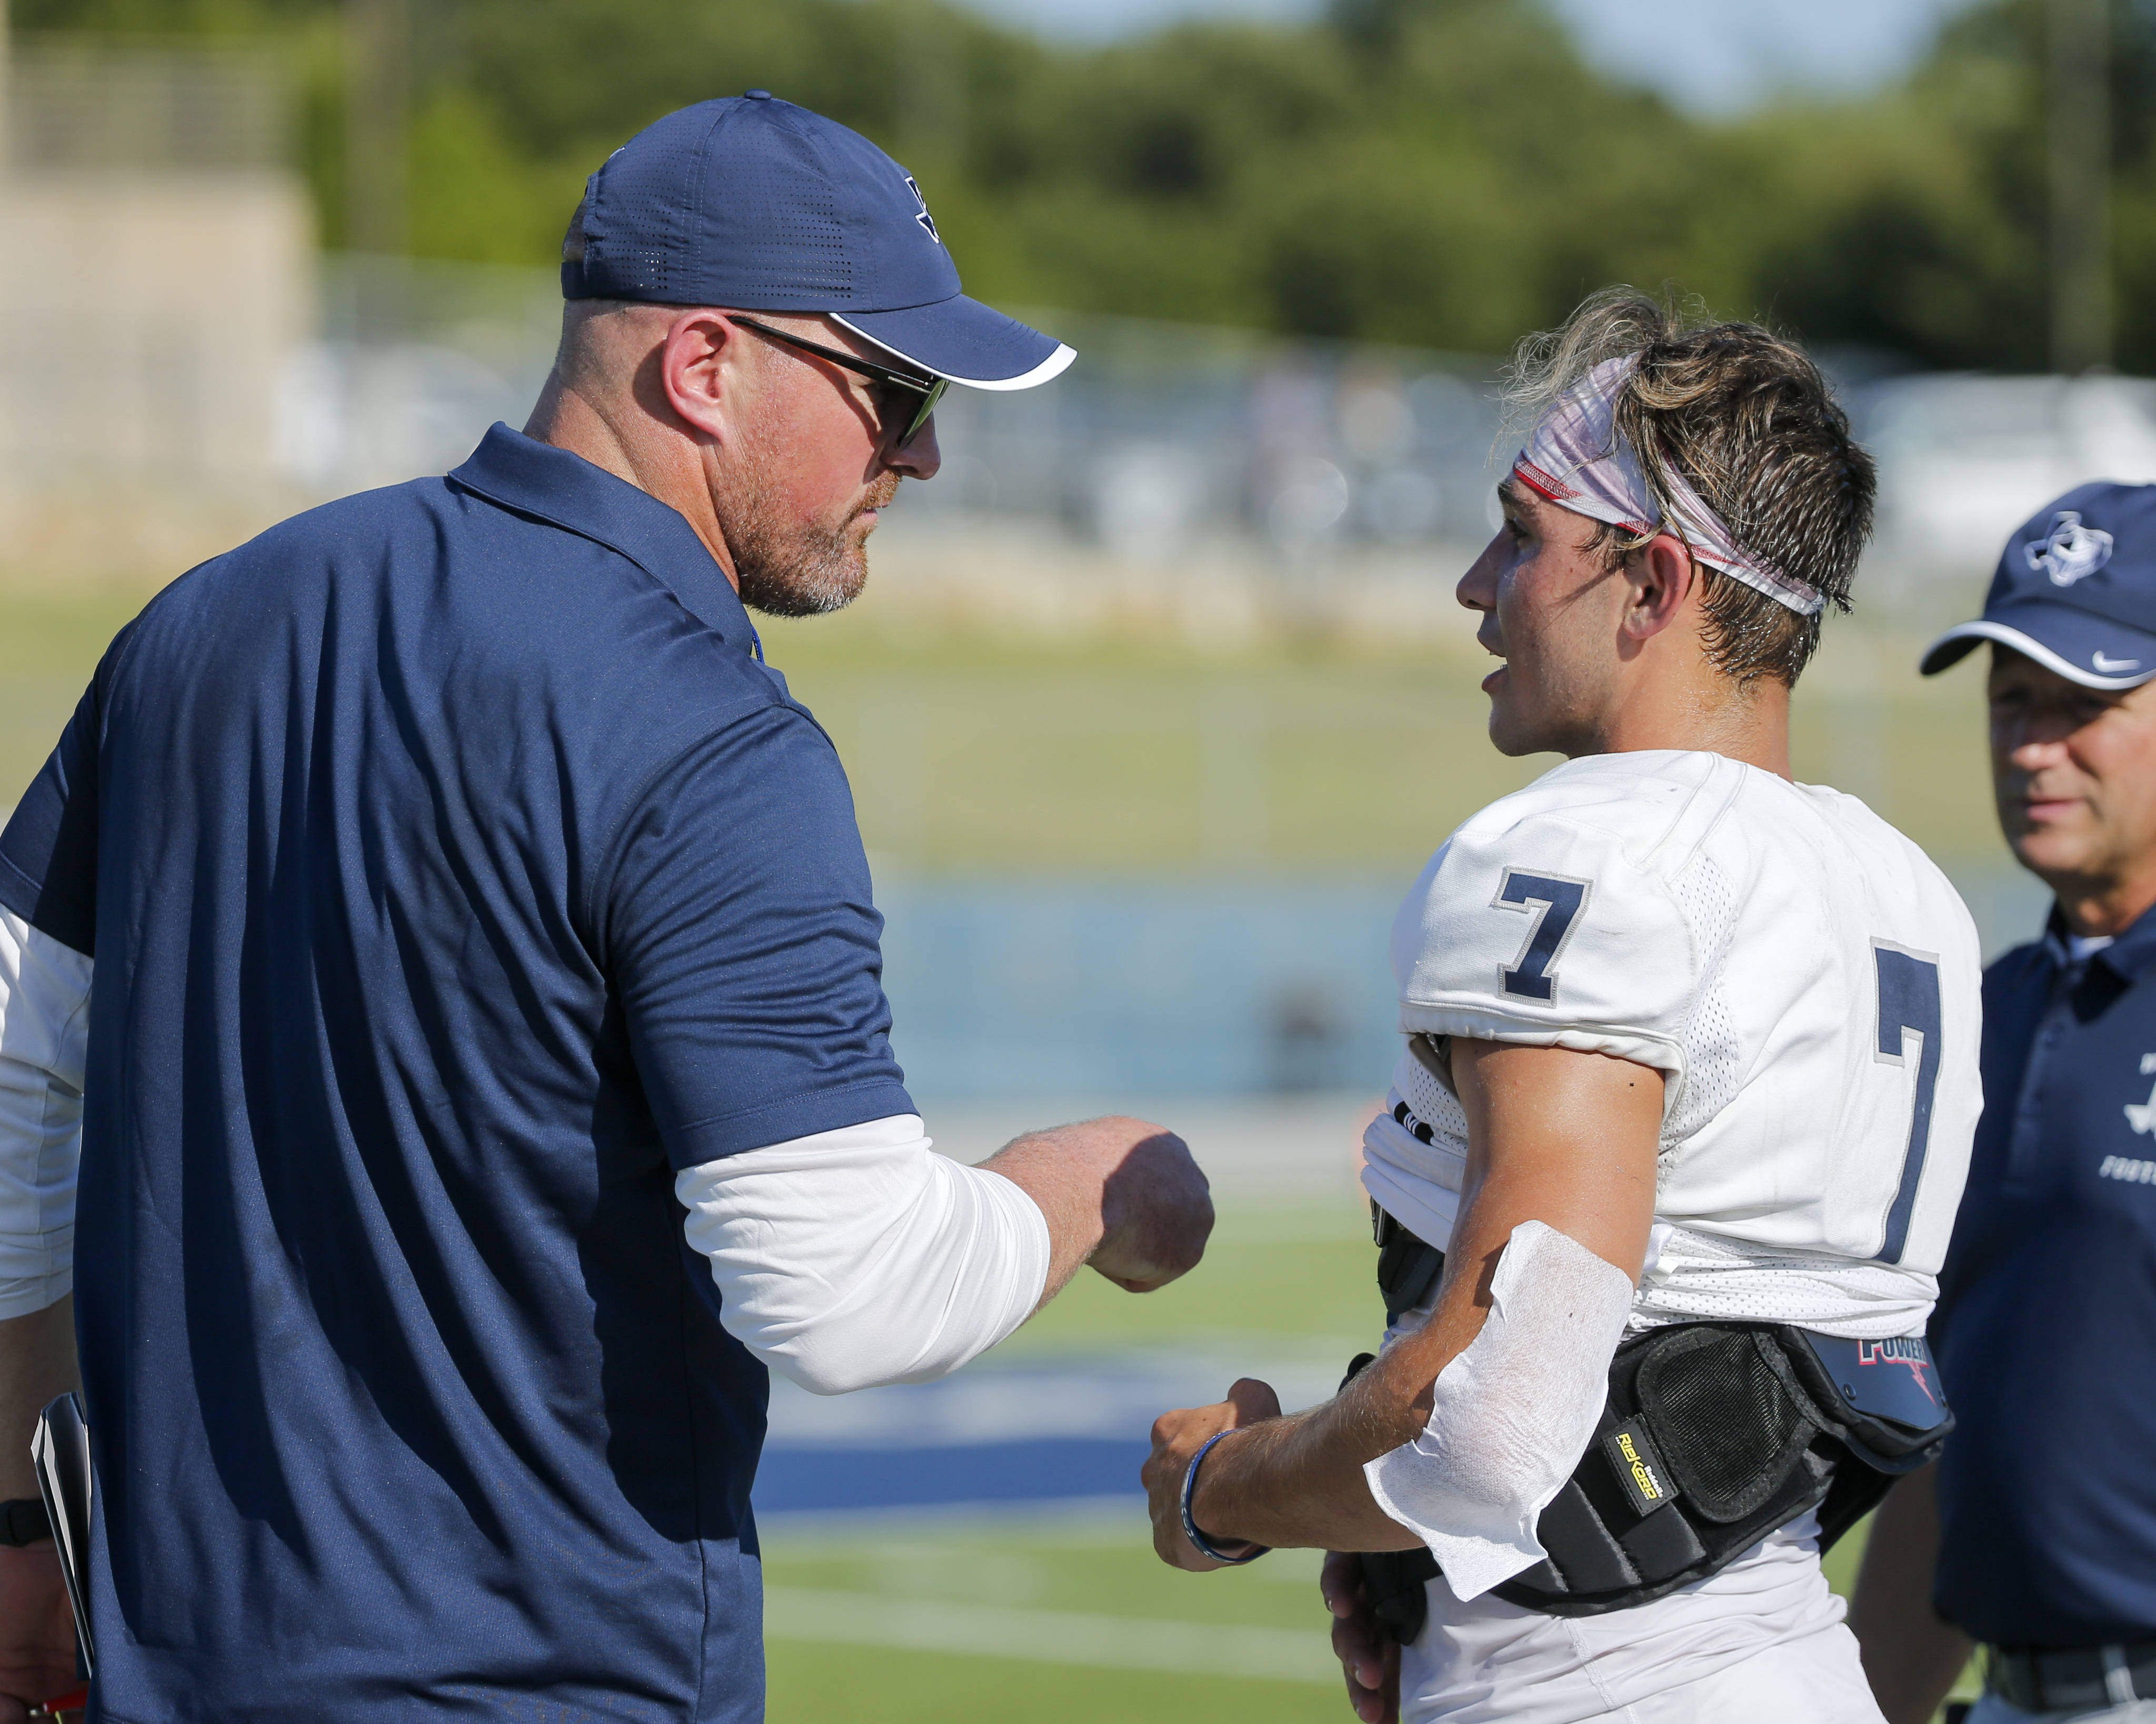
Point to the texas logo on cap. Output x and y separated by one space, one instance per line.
2070 551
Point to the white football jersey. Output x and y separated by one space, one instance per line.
1801 973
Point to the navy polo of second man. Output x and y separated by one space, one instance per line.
2035 1535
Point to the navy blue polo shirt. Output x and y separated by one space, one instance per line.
2046 1323
455 874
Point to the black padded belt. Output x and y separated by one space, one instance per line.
1716 1434
1713 1435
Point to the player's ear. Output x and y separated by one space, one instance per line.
1661 573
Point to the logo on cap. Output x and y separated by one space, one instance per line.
2070 552
928 222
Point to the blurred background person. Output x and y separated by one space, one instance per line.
2034 1534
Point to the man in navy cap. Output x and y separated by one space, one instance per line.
2035 1535
447 952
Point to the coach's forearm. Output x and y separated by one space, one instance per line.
855 1257
37 1364
1910 1656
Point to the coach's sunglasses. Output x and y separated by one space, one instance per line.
902 398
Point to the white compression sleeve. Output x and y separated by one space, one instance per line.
44 1027
1514 1412
860 1257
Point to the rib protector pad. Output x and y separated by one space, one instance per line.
1716 1434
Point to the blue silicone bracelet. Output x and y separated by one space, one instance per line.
1205 1546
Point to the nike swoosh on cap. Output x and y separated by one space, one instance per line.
2113 667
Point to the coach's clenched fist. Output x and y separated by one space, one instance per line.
1119 1193
1156 1210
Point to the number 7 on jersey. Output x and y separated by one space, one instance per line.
1555 901
1908 1004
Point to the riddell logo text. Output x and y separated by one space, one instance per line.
1643 1476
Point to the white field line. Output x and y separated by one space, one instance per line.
1122 1643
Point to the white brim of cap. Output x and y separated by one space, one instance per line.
1933 661
1053 366
996 339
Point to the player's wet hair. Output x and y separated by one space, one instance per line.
1746 417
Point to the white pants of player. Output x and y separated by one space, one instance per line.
1760 1643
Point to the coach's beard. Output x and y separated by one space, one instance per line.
803 570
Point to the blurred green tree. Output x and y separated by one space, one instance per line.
1445 173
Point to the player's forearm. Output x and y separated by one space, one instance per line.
1304 1482
37 1363
1910 1656
1297 1482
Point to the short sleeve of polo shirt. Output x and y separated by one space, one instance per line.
48 850
743 944
1537 926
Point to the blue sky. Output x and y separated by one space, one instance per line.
1710 56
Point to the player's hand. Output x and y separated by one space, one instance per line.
1155 1213
36 1630
1176 1437
1369 1658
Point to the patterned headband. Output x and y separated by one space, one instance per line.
1575 458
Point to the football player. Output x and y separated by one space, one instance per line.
1676 1142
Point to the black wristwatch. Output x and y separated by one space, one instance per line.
24 1521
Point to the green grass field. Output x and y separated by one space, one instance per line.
1053 1598
1079 1584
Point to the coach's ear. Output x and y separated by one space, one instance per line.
1663 577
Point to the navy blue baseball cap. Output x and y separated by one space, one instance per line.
752 203
2075 590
